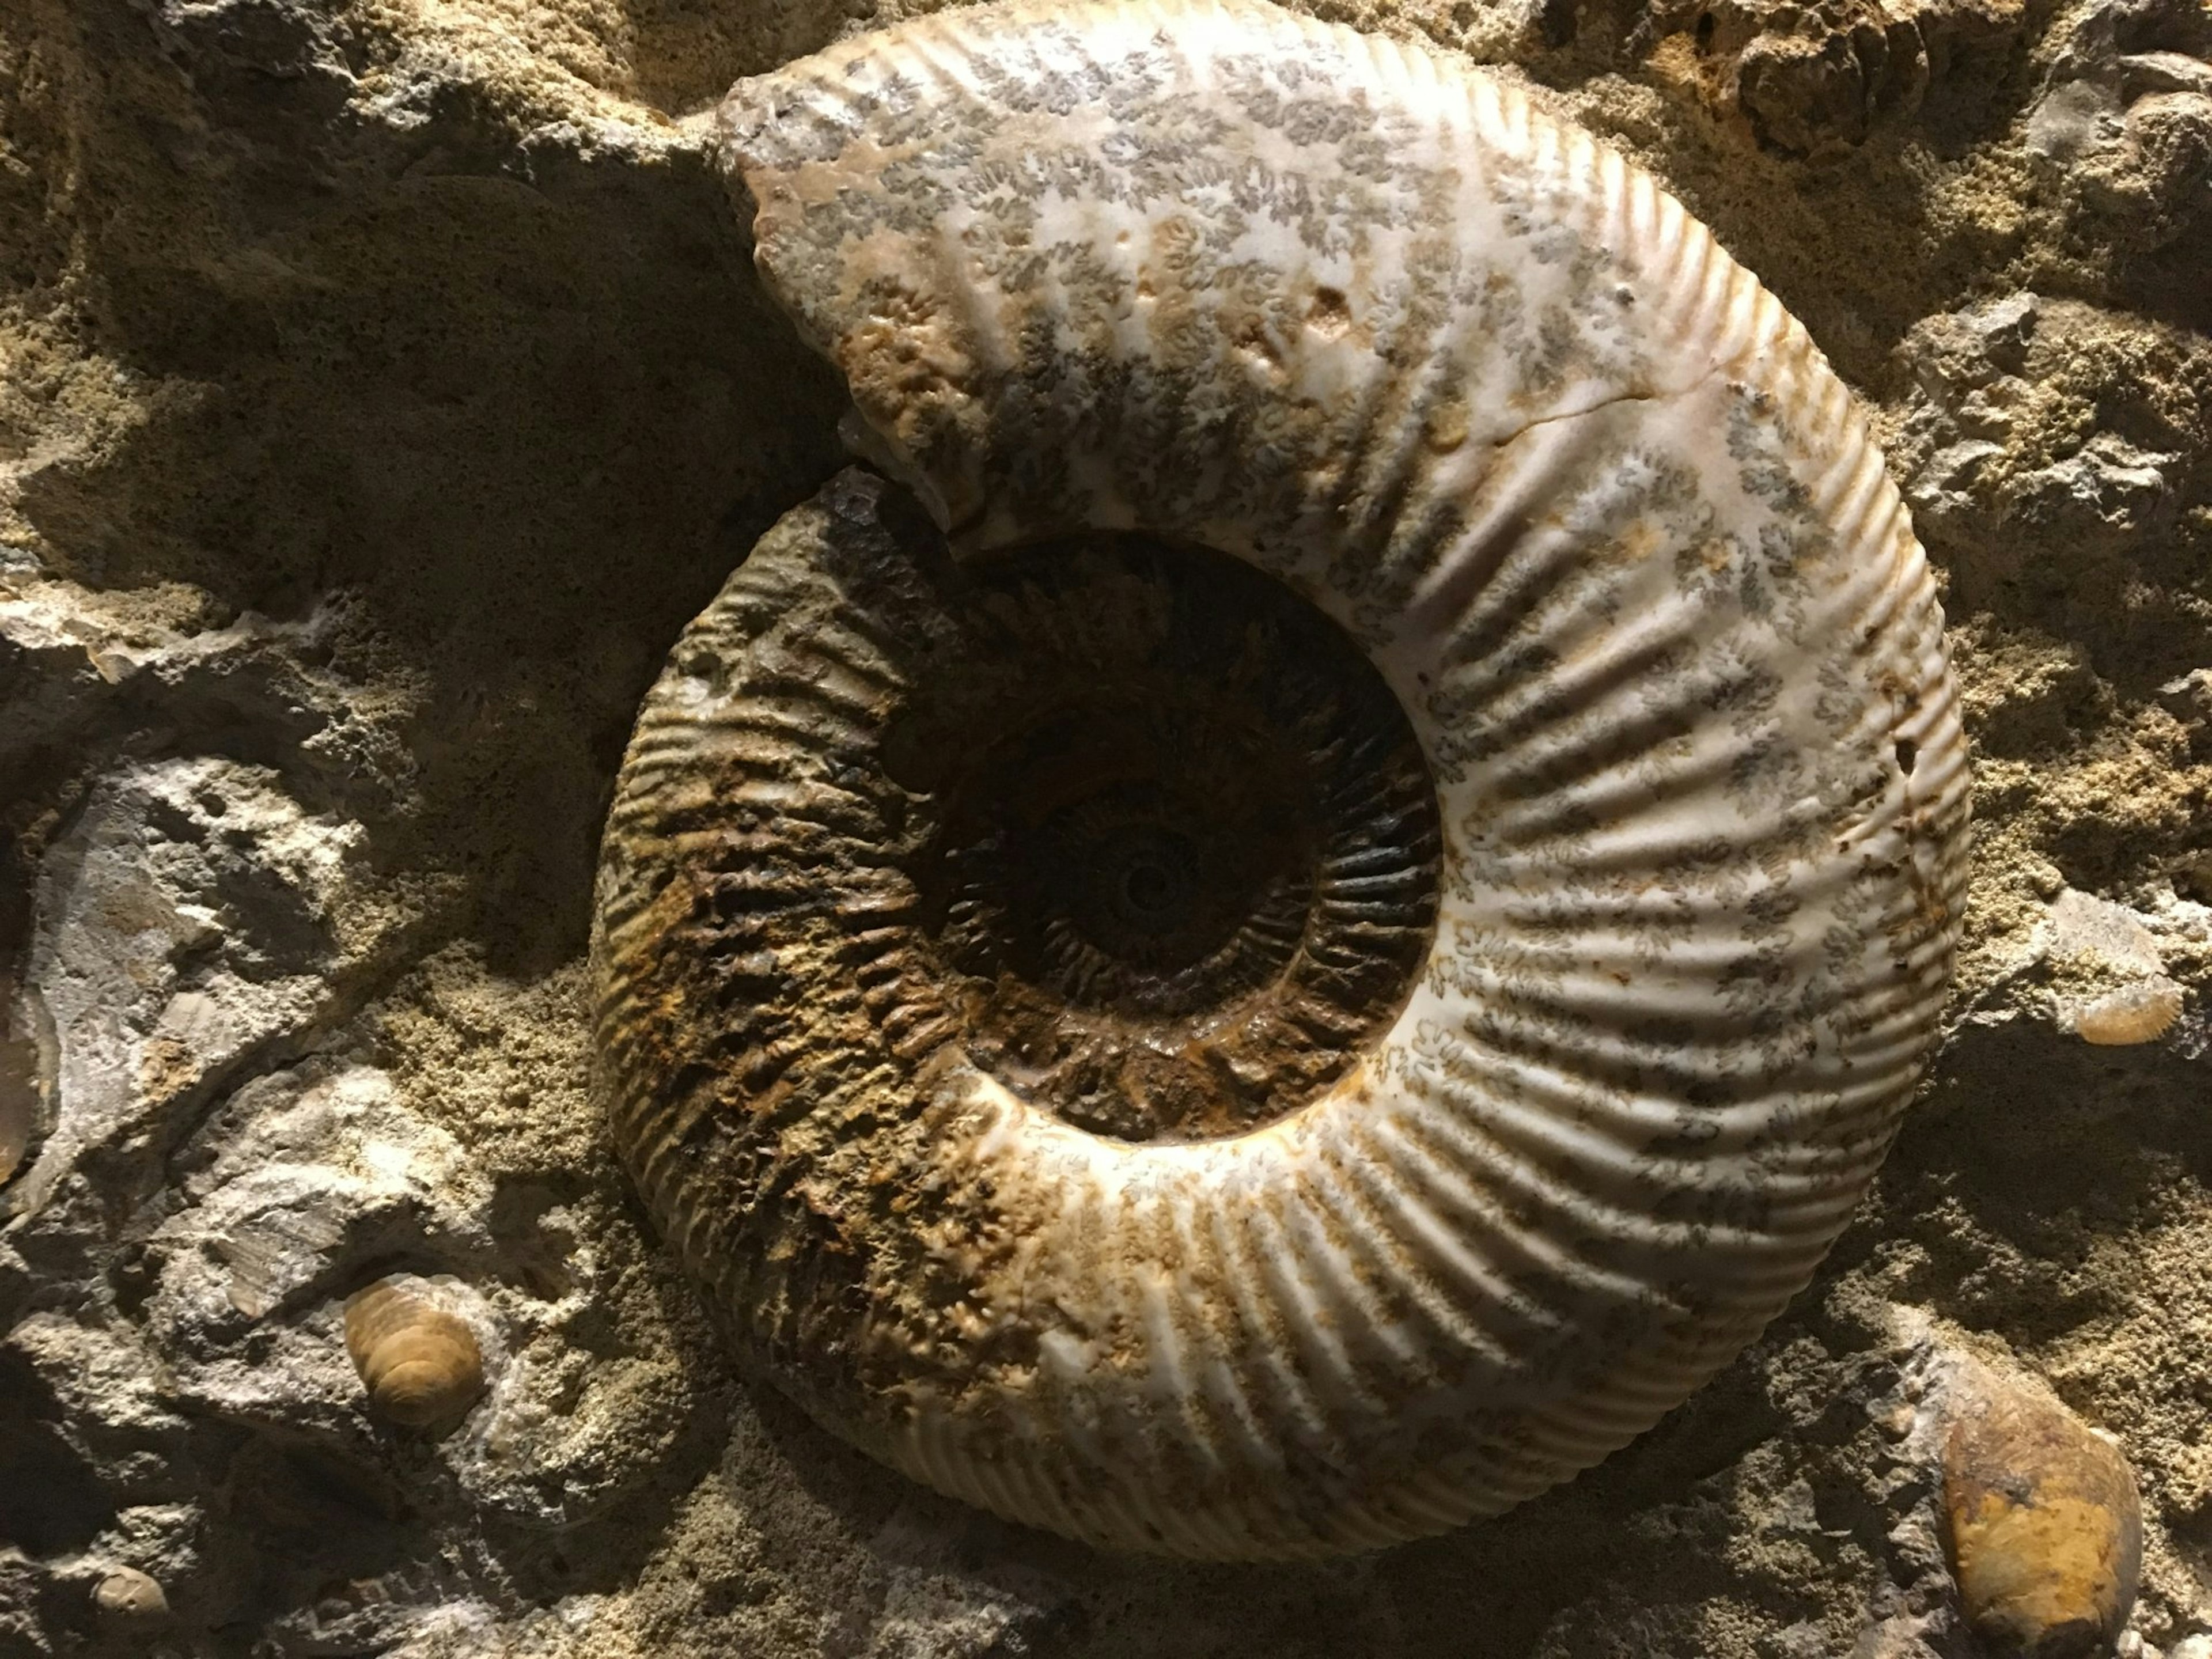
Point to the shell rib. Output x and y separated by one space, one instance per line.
1617 539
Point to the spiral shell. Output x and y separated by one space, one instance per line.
1113 285
419 1359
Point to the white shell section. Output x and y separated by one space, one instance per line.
1618 539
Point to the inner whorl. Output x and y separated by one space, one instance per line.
1164 845
1179 864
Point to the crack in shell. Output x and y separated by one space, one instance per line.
1617 540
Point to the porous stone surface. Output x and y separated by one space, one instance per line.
383 384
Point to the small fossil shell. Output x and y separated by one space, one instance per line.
419 1359
128 1596
2045 1524
2141 1012
1110 1060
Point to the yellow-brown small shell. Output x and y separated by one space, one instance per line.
419 1361
2141 1012
128 1596
2046 1527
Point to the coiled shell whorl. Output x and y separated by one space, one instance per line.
1616 1002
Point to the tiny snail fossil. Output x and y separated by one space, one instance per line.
418 1359
1347 919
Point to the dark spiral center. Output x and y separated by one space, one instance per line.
1138 890
1180 864
1154 888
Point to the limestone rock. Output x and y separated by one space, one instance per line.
1818 80
194 917
2124 124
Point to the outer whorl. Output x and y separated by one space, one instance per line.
1604 1054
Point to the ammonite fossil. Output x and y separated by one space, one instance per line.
1343 921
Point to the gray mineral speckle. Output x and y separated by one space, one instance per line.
383 386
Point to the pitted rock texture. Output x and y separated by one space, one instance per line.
382 385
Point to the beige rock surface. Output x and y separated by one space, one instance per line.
382 385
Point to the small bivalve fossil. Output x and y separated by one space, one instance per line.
2045 1524
419 1359
2141 1012
126 1597
1326 902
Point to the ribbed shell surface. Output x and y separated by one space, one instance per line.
1617 539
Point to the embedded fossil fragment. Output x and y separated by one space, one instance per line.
26 1068
1254 1068
2141 1012
2045 1522
419 1361
128 1596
